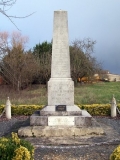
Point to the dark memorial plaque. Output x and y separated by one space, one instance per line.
60 107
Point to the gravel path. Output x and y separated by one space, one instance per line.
83 148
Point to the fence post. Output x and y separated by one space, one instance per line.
113 107
8 109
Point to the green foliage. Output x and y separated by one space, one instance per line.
97 109
93 109
82 63
42 48
14 148
116 154
22 109
42 53
25 109
97 93
2 108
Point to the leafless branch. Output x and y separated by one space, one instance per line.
9 3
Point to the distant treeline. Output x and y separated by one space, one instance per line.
20 67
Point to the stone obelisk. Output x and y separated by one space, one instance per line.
60 118
60 85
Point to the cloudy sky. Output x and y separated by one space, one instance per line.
95 19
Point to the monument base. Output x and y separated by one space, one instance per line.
53 119
61 126
54 111
63 131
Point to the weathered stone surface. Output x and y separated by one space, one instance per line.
70 111
83 121
60 91
39 131
52 119
55 113
88 131
60 67
38 120
25 131
68 108
63 131
60 85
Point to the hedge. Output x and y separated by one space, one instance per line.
98 109
22 109
93 109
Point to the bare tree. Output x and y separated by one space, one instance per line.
4 44
5 5
83 64
7 41
18 67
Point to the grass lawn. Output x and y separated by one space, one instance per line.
84 94
97 93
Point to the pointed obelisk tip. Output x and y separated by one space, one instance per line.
61 10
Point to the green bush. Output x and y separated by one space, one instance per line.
14 148
1 108
22 109
98 109
116 154
93 109
25 109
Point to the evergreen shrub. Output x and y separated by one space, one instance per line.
22 109
116 154
93 109
14 148
98 109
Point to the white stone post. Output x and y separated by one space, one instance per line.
113 107
8 109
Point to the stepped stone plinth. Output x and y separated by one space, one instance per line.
61 117
84 119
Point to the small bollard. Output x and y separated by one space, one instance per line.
8 109
113 107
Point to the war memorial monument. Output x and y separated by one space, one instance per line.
61 117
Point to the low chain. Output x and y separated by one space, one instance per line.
118 110
2 112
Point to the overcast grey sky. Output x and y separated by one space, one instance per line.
95 19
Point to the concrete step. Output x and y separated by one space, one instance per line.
84 119
63 131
